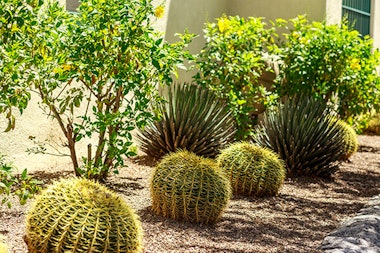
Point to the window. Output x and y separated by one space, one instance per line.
358 13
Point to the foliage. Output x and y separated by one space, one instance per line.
96 73
333 63
189 187
18 25
252 170
231 62
193 119
22 185
306 136
79 215
373 125
351 143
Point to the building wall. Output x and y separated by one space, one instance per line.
272 9
375 22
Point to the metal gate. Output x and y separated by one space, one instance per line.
358 13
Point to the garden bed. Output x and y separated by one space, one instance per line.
297 220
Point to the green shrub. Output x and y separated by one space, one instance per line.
351 143
333 63
79 215
305 135
187 187
372 126
231 62
252 170
11 183
193 119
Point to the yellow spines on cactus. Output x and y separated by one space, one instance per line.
3 246
351 143
79 215
188 187
252 170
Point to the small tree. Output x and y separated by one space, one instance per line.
96 73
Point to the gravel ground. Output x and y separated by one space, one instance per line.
297 220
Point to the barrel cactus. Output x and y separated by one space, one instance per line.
305 134
79 215
351 143
188 187
252 170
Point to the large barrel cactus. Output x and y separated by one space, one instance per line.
188 187
351 143
79 215
252 170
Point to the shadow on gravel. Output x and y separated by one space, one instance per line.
364 148
241 229
126 185
48 177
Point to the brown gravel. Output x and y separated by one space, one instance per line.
297 220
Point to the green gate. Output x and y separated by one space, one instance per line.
358 13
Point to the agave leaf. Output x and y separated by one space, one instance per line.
305 135
193 119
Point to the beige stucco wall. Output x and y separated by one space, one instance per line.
272 9
375 22
191 15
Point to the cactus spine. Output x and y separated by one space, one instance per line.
79 215
252 170
187 187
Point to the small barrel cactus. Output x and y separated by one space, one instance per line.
351 143
252 170
188 187
79 215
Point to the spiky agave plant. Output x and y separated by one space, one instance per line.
306 136
193 119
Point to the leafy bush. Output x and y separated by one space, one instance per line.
79 215
373 124
193 119
252 170
305 135
350 140
14 54
188 187
333 63
22 185
96 73
231 62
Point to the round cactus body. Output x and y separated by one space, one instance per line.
252 170
188 187
351 143
79 215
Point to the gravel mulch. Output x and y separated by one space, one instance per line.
297 220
